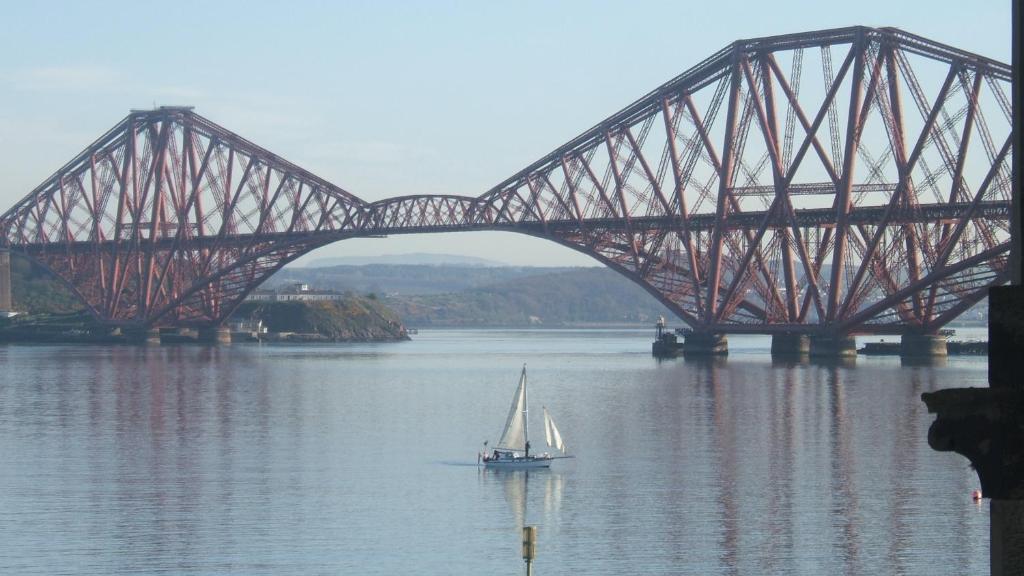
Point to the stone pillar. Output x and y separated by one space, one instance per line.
142 335
1006 337
833 346
215 335
923 346
986 425
5 280
1006 552
790 345
705 344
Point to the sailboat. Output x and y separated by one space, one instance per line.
513 449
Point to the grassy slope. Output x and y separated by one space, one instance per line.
354 318
50 305
35 291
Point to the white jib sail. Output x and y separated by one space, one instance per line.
551 433
514 435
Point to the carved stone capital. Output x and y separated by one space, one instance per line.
986 425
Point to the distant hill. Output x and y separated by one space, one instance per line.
417 259
398 279
446 295
573 297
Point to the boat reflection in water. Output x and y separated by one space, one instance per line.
534 498
519 486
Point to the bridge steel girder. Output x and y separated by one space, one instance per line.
828 202
872 197
170 219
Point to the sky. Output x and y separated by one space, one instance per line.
393 98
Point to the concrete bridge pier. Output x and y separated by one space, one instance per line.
143 335
790 345
705 344
214 335
834 346
5 280
923 346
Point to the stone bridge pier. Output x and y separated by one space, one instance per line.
151 336
697 343
218 334
5 281
835 346
791 345
815 345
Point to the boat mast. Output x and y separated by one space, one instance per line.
526 414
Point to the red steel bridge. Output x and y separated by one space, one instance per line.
843 181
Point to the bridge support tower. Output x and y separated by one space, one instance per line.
836 346
791 345
923 346
5 281
214 334
145 335
705 344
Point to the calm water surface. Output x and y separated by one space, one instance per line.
345 459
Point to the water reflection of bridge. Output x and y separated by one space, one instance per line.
809 186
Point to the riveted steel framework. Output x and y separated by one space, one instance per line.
850 180
170 219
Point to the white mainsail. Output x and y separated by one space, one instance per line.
547 426
514 436
551 433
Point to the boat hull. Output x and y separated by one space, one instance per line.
518 463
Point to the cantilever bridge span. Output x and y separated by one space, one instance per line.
843 181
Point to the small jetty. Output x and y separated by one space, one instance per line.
968 347
953 348
666 342
882 348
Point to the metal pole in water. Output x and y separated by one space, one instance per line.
529 547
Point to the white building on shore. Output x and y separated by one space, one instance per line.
294 292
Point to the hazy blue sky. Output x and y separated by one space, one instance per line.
392 98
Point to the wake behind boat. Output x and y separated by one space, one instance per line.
513 449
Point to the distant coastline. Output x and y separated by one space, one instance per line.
420 296
354 319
